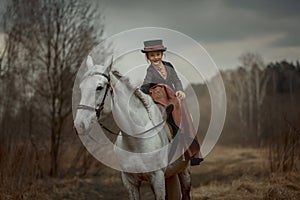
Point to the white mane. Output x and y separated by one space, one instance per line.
145 99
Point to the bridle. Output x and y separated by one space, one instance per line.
98 109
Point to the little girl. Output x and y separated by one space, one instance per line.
160 71
163 73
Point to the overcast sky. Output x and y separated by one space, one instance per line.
225 28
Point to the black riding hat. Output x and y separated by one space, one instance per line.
153 45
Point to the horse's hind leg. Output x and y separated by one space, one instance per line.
173 188
132 186
185 183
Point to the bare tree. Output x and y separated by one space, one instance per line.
249 84
247 60
261 78
53 37
238 83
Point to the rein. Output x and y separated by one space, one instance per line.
141 133
99 108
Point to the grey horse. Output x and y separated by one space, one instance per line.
142 145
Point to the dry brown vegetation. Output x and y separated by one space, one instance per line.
226 173
242 173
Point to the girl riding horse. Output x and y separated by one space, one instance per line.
164 86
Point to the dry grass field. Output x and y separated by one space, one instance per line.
226 173
241 173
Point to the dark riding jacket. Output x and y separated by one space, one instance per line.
153 77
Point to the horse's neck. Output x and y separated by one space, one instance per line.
128 107
134 110
143 142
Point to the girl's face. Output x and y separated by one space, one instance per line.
155 57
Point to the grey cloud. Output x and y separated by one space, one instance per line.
213 21
289 40
208 21
274 8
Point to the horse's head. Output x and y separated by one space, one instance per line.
94 88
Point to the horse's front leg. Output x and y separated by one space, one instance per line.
132 185
158 184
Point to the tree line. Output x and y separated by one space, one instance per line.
261 98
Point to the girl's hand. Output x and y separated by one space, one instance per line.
180 95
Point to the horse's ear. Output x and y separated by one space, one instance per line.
117 74
108 69
89 62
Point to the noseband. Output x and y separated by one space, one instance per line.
99 107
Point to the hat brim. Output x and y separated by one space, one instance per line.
152 50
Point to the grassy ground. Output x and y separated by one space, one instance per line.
227 173
241 173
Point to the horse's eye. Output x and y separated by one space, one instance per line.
99 88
